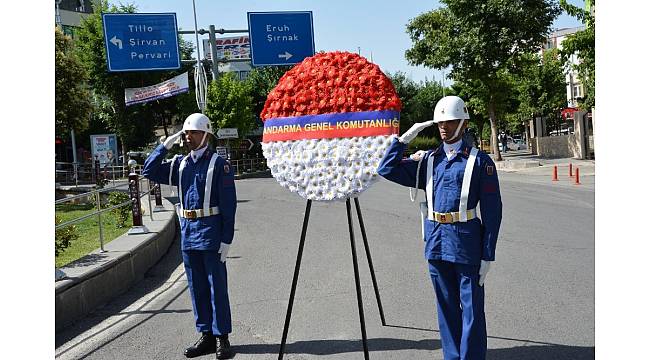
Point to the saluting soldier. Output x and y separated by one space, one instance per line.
206 190
459 246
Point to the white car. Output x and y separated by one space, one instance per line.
513 144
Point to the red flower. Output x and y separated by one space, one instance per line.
331 82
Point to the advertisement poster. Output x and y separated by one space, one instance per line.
174 86
235 47
104 149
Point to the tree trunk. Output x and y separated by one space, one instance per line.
493 127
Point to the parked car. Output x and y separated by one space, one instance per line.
515 144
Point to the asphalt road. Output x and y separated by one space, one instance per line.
539 292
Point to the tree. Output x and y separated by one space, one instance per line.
261 81
230 105
479 40
542 87
423 104
406 89
582 43
133 125
71 97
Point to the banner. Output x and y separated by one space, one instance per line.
334 125
177 85
104 149
235 47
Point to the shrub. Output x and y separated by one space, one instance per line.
422 143
122 213
64 236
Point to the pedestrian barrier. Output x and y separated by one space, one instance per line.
70 173
577 182
570 170
96 196
244 166
555 173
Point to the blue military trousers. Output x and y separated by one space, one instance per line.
207 280
461 315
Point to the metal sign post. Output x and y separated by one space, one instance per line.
155 188
134 193
280 38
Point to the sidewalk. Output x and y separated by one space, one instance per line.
525 162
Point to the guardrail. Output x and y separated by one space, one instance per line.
96 195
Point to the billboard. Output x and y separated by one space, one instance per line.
104 149
235 47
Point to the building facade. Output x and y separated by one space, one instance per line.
574 88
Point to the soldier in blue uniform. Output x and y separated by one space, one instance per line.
459 247
208 201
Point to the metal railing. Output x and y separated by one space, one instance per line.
96 194
244 166
67 173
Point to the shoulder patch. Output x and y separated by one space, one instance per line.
489 170
226 168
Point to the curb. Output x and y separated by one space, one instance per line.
97 278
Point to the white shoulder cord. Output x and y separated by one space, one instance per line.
417 182
171 170
180 177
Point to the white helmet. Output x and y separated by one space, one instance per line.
198 121
450 108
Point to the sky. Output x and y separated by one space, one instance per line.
376 28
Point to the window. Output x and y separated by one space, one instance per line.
577 91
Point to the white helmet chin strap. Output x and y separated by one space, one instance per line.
460 126
205 133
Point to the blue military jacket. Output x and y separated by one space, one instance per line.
204 233
461 242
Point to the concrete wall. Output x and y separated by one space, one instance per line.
565 146
553 146
98 278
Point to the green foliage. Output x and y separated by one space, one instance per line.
423 143
63 236
133 125
230 105
418 101
123 213
582 43
406 90
262 80
482 41
71 97
542 86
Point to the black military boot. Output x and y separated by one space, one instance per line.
205 345
224 351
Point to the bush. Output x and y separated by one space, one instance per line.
123 213
422 143
64 236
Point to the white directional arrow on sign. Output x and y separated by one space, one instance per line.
251 145
286 55
117 42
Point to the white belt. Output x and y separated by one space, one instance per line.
193 214
452 217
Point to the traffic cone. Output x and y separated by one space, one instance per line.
555 173
570 170
577 176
